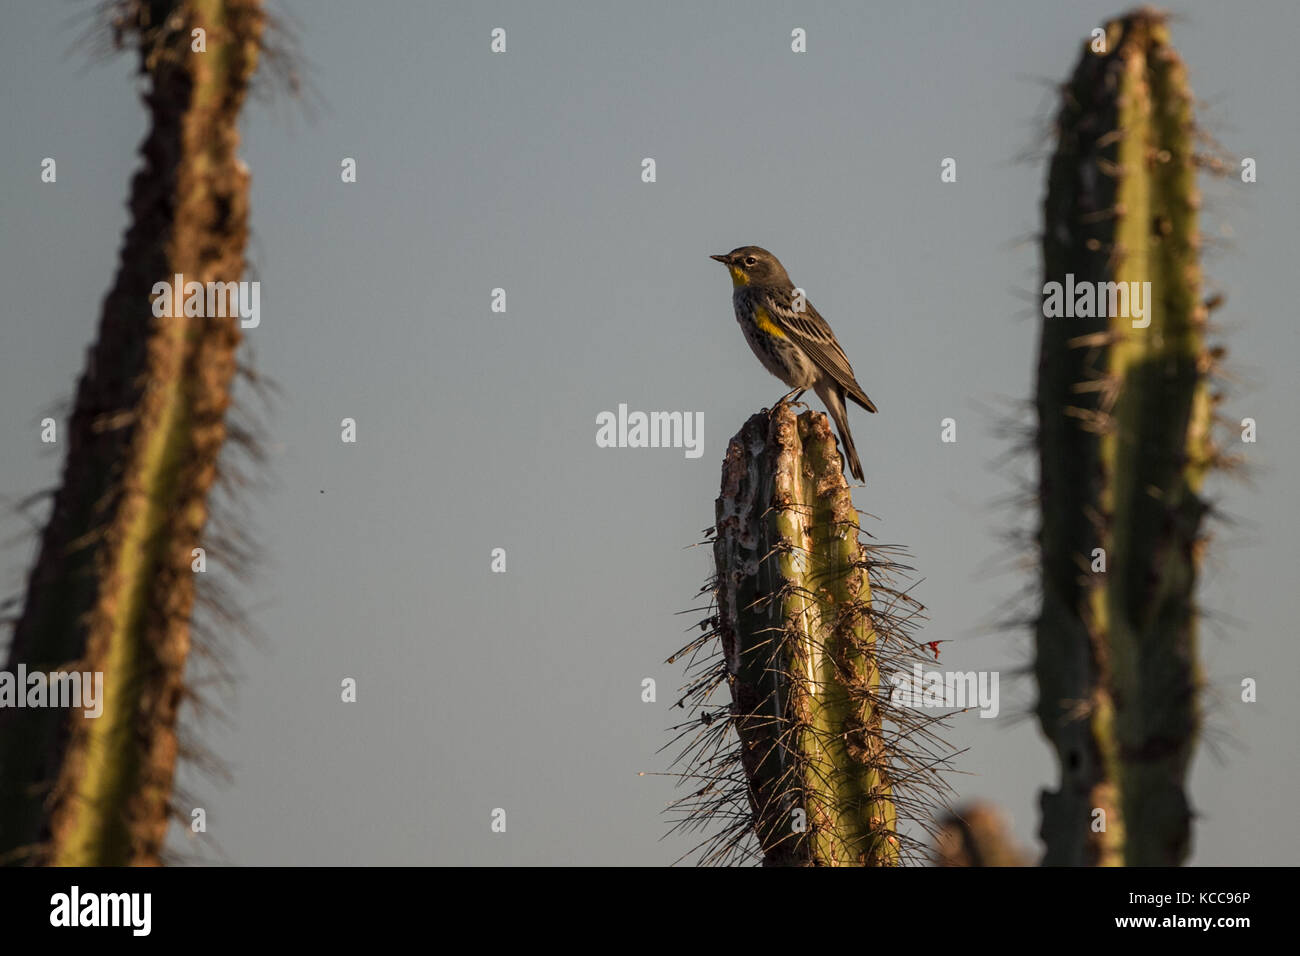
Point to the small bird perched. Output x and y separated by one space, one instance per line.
792 341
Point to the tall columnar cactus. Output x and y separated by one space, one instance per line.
1124 414
801 652
112 590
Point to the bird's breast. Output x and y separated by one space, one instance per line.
764 320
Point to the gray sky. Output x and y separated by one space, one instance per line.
477 430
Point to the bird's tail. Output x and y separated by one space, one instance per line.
833 399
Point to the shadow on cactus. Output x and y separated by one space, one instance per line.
809 763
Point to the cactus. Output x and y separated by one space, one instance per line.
978 834
814 778
112 589
1124 416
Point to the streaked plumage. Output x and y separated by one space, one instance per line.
798 347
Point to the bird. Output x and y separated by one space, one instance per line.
792 340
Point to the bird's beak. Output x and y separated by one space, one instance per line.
722 259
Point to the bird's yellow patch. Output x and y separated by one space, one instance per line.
766 324
738 277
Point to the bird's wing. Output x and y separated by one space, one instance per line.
810 331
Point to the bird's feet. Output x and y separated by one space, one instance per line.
789 398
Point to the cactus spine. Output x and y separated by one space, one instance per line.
112 590
801 651
1123 439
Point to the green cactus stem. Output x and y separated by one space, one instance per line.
801 653
112 589
1124 414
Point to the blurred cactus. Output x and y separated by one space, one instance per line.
1124 415
112 589
978 834
815 776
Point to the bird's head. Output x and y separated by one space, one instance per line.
750 265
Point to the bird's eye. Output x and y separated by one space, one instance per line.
750 261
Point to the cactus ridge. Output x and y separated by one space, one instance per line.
113 590
1125 413
810 762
